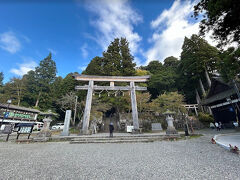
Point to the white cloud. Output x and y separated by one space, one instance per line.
82 67
54 52
84 51
29 64
114 19
170 28
9 42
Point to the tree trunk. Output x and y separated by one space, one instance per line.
19 94
37 102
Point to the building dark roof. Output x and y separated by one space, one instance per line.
19 108
219 90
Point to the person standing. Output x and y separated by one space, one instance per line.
217 126
111 129
220 125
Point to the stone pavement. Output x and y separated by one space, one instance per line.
186 159
226 139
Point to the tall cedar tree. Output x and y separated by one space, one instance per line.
1 78
222 17
116 61
45 75
197 56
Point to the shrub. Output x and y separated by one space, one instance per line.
205 118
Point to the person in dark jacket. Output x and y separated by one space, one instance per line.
111 128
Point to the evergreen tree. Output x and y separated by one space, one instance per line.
222 17
154 67
197 56
229 66
126 58
1 78
116 61
45 75
95 67
112 59
171 62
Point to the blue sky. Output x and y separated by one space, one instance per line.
77 31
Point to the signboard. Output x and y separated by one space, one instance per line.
7 129
130 128
6 114
25 130
12 114
156 127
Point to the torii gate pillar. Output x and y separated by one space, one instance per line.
134 106
86 116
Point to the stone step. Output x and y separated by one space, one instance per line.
115 138
83 141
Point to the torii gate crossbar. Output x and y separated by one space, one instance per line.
91 87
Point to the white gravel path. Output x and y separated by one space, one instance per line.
185 159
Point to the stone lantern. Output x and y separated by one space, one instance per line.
45 133
169 118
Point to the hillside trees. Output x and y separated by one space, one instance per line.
163 76
1 78
172 101
222 17
197 57
229 66
116 61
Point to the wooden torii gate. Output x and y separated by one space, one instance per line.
91 87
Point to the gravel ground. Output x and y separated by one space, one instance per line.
185 159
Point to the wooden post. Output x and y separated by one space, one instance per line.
87 110
134 106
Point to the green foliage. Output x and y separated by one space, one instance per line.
161 82
154 67
171 62
95 67
229 66
116 61
196 57
172 101
14 90
205 118
141 72
1 78
46 71
222 17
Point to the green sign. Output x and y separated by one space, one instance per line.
17 115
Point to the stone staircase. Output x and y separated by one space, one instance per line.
121 139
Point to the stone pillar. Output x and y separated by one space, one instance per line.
134 107
87 110
66 123
170 129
